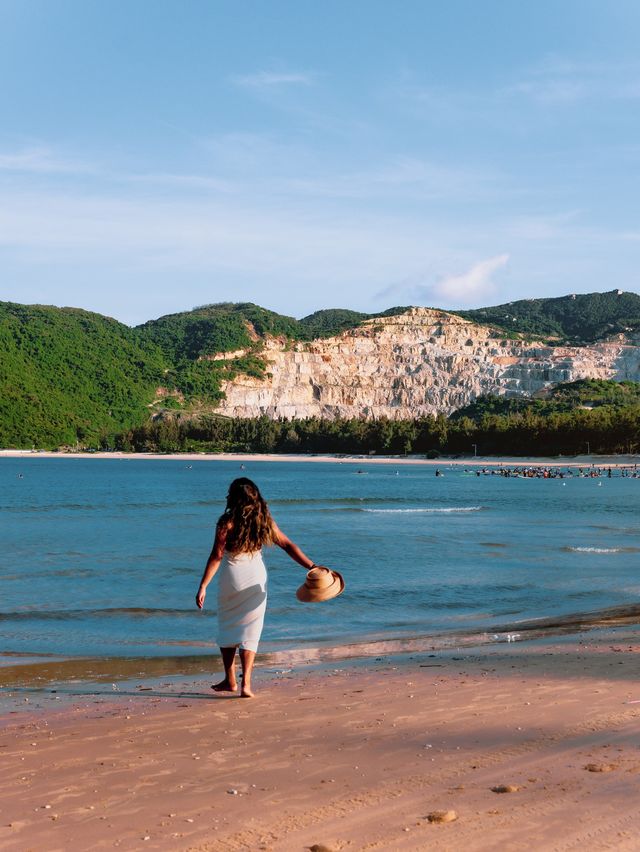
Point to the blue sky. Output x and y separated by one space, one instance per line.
159 155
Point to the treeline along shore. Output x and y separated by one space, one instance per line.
588 416
523 434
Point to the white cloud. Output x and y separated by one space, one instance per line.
476 283
268 79
560 81
39 159
551 91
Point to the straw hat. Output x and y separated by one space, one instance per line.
321 584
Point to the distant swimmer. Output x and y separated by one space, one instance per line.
20 476
439 472
243 467
189 467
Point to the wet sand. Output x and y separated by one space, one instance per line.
350 757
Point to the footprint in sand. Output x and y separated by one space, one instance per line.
505 788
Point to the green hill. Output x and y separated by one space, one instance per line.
332 321
189 339
577 318
566 397
229 326
214 328
68 376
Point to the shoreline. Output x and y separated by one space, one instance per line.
348 756
470 461
45 675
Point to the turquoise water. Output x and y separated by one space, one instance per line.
103 557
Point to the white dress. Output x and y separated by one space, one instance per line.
242 600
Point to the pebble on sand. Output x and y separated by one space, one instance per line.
505 788
442 816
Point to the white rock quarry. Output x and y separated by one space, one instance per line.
420 362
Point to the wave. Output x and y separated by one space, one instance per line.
426 511
602 549
82 614
123 506
339 501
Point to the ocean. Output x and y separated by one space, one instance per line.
101 558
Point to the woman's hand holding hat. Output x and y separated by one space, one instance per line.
321 584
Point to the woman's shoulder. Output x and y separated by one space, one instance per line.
224 525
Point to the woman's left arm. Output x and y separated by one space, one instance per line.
291 549
213 563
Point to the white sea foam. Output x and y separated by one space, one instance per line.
595 549
429 511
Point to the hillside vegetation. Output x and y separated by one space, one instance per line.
579 417
227 326
576 318
190 340
584 394
68 376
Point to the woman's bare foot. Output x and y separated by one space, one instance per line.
225 685
246 691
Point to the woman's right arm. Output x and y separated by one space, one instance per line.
291 549
213 562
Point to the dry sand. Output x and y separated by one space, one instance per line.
352 758
245 458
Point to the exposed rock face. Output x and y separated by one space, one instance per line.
421 362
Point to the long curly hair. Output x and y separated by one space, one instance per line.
248 518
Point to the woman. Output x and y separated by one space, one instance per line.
245 527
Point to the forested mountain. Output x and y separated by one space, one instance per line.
69 376
576 318
229 326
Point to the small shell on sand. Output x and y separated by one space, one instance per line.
442 816
505 788
599 767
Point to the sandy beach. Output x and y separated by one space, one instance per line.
523 745
533 746
245 458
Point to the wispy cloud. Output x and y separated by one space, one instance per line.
39 159
477 282
271 79
551 91
401 177
465 288
558 81
553 82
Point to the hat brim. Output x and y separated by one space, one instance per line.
311 595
